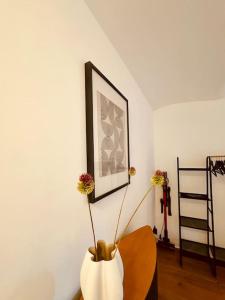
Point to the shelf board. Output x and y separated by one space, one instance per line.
220 254
196 223
194 247
192 169
200 250
193 196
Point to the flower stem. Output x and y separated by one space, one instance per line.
132 216
118 221
93 231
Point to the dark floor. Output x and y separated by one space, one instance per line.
192 282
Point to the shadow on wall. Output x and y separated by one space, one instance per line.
77 296
38 288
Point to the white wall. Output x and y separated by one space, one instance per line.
44 223
191 131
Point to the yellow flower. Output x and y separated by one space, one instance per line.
132 171
157 180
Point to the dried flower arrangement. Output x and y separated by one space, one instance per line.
102 251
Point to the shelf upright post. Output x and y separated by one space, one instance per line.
207 192
212 219
178 184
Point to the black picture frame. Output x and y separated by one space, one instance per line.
91 109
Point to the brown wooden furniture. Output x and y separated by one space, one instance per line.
138 252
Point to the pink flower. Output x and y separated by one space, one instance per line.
159 173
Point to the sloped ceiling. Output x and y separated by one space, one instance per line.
175 49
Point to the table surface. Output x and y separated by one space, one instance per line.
138 252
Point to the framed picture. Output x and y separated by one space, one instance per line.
107 129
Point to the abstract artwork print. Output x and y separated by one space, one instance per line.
111 137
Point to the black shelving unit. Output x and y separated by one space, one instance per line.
219 253
191 248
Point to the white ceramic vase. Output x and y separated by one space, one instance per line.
102 280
